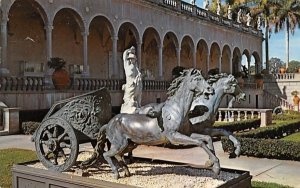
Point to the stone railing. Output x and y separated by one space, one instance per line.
187 8
275 101
285 76
22 83
239 114
88 84
29 84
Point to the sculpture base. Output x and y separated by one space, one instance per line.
26 176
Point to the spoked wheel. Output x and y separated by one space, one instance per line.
56 144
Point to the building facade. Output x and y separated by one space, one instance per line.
92 35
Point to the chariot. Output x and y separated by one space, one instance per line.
68 124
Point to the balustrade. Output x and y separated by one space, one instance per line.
22 83
275 101
285 76
184 7
239 114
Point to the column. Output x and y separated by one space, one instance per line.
139 54
220 64
85 35
49 29
48 73
207 61
160 62
195 57
4 42
114 56
178 55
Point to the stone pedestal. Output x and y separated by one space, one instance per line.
10 121
266 117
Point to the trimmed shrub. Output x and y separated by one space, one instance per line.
272 132
29 127
239 125
269 148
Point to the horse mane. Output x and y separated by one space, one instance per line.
214 78
176 83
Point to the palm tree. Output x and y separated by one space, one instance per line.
261 8
286 16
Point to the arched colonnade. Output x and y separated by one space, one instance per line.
93 45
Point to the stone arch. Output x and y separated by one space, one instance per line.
26 43
150 50
67 38
170 56
258 64
214 56
202 56
187 52
100 47
39 8
246 59
236 60
78 18
127 36
226 60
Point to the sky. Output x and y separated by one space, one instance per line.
277 42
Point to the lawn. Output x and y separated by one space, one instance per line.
293 137
257 184
8 157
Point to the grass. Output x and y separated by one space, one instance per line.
293 137
258 184
8 157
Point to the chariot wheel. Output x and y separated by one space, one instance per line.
56 144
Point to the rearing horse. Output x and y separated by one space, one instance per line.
125 129
223 84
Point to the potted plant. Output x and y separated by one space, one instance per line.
282 70
259 80
60 76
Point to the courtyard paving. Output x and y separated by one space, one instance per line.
268 170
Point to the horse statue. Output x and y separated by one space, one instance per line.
223 84
129 130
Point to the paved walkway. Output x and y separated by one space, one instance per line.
268 170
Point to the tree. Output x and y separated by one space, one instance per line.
264 8
286 16
261 8
275 64
293 66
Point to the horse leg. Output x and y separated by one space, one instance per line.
116 148
177 138
122 162
209 142
222 132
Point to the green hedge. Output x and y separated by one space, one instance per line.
269 148
239 125
275 131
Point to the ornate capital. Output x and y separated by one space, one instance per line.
48 27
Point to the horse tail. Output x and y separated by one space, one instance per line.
97 156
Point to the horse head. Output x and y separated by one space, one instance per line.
191 79
199 85
231 87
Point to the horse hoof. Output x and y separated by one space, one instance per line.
232 155
127 174
209 163
116 176
216 169
237 152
